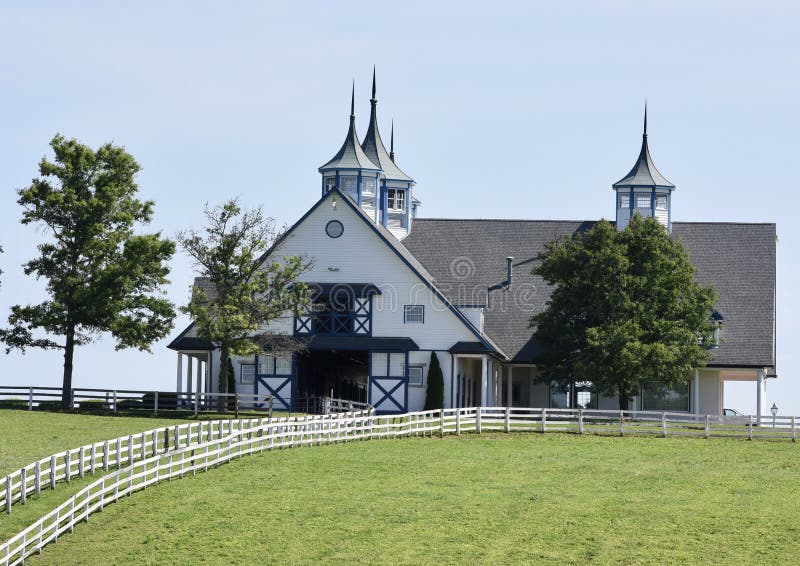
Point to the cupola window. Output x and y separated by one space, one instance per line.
396 199
349 184
642 200
368 191
624 200
330 183
661 202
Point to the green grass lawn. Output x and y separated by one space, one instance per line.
519 498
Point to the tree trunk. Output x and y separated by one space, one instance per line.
623 398
223 378
66 383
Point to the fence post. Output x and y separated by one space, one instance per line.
707 431
236 404
80 462
30 398
441 423
508 419
155 403
8 494
664 424
71 399
196 402
37 476
478 412
621 423
270 407
23 496
794 430
52 472
580 421
115 401
458 422
544 420
750 430
67 466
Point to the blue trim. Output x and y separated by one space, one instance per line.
358 188
361 214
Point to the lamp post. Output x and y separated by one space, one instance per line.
774 410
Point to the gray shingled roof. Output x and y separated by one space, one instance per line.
468 260
374 148
644 172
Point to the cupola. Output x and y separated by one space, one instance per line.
644 190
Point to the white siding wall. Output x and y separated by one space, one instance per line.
360 256
475 316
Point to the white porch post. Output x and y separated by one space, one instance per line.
696 394
188 380
209 358
759 395
180 374
508 386
484 381
199 384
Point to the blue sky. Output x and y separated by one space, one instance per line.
502 110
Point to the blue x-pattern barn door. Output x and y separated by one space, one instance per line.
388 384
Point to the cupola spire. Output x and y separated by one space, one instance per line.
391 143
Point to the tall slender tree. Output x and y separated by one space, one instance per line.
101 276
246 288
434 394
626 309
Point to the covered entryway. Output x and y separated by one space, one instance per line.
337 374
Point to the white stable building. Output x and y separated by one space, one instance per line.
392 287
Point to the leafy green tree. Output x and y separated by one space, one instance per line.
247 289
434 395
626 309
101 276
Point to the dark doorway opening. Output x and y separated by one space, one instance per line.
330 373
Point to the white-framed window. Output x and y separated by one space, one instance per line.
330 183
624 200
416 375
661 202
247 373
397 364
642 200
414 314
396 199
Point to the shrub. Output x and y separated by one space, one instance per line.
434 395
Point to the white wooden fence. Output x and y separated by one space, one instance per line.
256 435
43 474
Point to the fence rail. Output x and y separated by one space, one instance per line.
256 435
132 400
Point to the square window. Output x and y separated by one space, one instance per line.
624 201
414 314
661 202
330 182
396 199
247 373
416 376
642 201
368 185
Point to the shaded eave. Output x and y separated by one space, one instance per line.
183 342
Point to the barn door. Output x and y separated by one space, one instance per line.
276 377
388 382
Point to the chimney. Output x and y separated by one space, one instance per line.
510 271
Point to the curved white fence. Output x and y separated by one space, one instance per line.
125 450
288 432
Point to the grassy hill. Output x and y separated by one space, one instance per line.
516 498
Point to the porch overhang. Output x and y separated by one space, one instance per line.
191 343
368 343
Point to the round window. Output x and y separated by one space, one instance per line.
334 229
